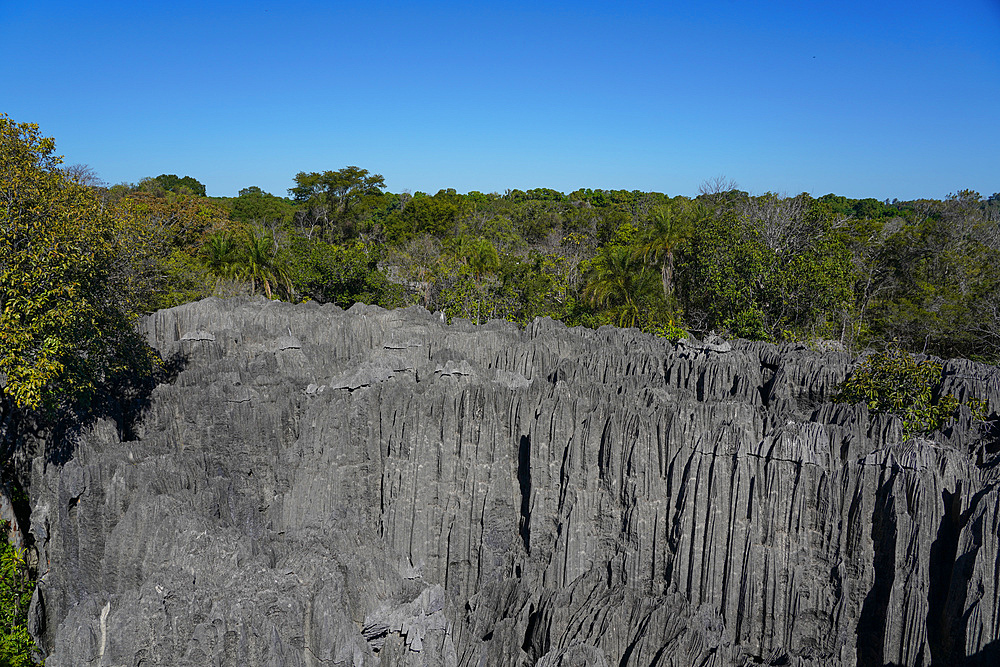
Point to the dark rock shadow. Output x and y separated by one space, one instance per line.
25 435
872 621
989 454
988 657
123 400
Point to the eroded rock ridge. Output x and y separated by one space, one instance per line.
370 487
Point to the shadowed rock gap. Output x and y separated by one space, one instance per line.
871 622
942 567
524 483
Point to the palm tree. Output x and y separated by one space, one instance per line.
670 226
260 264
458 247
220 253
621 282
482 258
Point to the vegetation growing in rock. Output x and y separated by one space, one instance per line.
16 587
895 382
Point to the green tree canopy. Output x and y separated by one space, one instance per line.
173 183
336 199
670 225
622 284
256 206
72 273
251 254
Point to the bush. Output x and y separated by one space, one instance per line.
341 274
16 587
894 382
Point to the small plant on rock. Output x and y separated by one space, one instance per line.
894 382
16 586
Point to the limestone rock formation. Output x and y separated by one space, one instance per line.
370 487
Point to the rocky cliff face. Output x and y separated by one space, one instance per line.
320 487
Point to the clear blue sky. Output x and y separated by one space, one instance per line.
872 99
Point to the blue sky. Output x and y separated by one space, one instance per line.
883 99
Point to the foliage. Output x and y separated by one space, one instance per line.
220 254
467 270
939 274
342 274
183 278
423 215
670 227
173 183
73 272
16 587
621 285
254 206
726 277
894 382
414 264
178 226
925 273
185 221
260 263
670 331
336 201
252 255
761 267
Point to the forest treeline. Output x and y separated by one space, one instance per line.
80 258
923 274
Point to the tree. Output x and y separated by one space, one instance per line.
724 274
72 274
343 275
260 263
220 253
182 223
483 258
718 190
250 255
258 207
622 283
670 226
83 174
185 220
417 262
335 197
173 183
768 268
424 215
478 255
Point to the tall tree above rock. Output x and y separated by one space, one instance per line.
72 273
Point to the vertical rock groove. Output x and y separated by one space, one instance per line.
872 621
524 484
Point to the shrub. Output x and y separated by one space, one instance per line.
894 382
16 587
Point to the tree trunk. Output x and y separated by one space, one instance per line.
667 274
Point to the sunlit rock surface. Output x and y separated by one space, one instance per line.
370 487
